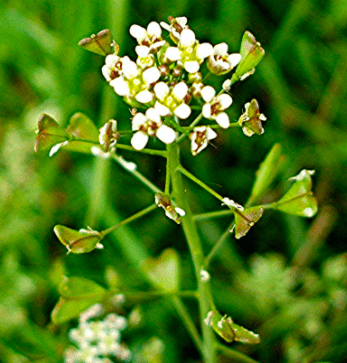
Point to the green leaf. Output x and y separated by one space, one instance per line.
299 199
49 133
100 43
82 241
164 271
77 294
267 172
228 330
251 52
246 219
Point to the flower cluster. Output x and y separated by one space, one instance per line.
97 341
166 82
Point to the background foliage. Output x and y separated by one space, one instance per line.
286 279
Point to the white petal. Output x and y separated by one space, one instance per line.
210 133
182 20
138 120
234 59
204 50
161 109
187 38
247 106
180 91
180 211
173 54
166 134
142 51
120 86
191 66
262 117
144 96
57 147
308 212
139 140
161 90
129 68
220 49
165 26
206 110
207 93
111 60
138 32
222 120
151 75
225 101
153 115
154 29
183 111
105 70
248 132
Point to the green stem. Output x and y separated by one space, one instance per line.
128 220
237 357
199 182
212 215
276 204
218 245
131 167
188 323
153 294
194 243
161 153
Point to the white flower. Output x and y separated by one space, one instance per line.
171 101
112 67
220 62
150 38
147 125
200 138
176 26
250 120
144 58
108 135
192 53
215 105
134 81
92 312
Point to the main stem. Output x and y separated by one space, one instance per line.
194 243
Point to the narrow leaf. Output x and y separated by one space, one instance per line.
267 172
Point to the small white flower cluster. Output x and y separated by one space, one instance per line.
97 341
164 79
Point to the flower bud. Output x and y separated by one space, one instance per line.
108 136
250 120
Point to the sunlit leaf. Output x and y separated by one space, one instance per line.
77 294
246 219
82 241
99 43
164 271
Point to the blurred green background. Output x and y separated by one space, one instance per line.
301 88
